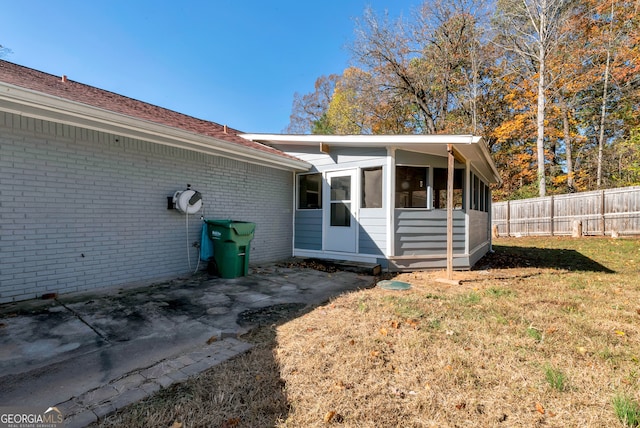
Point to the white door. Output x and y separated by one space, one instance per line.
340 211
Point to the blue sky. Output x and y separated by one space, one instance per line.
229 61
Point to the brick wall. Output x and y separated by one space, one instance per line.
81 209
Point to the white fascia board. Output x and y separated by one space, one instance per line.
25 102
361 140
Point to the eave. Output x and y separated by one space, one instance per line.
34 104
470 147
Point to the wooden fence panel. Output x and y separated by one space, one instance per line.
600 212
622 211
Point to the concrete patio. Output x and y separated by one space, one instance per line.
91 354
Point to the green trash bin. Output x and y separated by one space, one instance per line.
231 245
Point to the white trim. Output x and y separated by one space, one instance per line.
363 140
25 102
293 211
354 257
467 205
390 186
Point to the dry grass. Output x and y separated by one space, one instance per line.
548 334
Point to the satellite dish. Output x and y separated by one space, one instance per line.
188 201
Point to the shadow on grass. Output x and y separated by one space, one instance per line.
509 257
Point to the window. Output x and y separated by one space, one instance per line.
310 191
340 201
475 202
372 187
440 188
479 194
411 186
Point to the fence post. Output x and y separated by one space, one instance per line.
602 224
551 226
508 220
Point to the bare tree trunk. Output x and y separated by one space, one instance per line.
567 145
603 114
540 114
474 90
603 111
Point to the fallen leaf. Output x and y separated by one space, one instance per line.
383 331
551 330
412 323
176 424
212 339
375 353
352 342
461 406
230 423
328 417
539 408
395 324
582 350
620 332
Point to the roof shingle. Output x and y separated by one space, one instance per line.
64 88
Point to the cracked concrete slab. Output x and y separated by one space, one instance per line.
53 351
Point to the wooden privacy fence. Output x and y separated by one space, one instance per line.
600 212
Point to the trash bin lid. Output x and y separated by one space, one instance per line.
239 227
243 227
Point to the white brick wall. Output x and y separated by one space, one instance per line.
81 209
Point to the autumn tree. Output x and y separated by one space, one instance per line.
431 62
552 85
530 30
309 111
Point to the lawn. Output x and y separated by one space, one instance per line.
545 332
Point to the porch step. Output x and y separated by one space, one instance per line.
349 266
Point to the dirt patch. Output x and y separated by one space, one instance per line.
270 314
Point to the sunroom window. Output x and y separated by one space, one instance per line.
372 187
411 186
310 191
440 188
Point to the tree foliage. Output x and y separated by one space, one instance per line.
552 85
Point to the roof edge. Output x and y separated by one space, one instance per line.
28 102
360 139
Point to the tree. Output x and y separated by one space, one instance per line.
4 51
531 29
431 63
308 112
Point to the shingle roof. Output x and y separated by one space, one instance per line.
62 87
